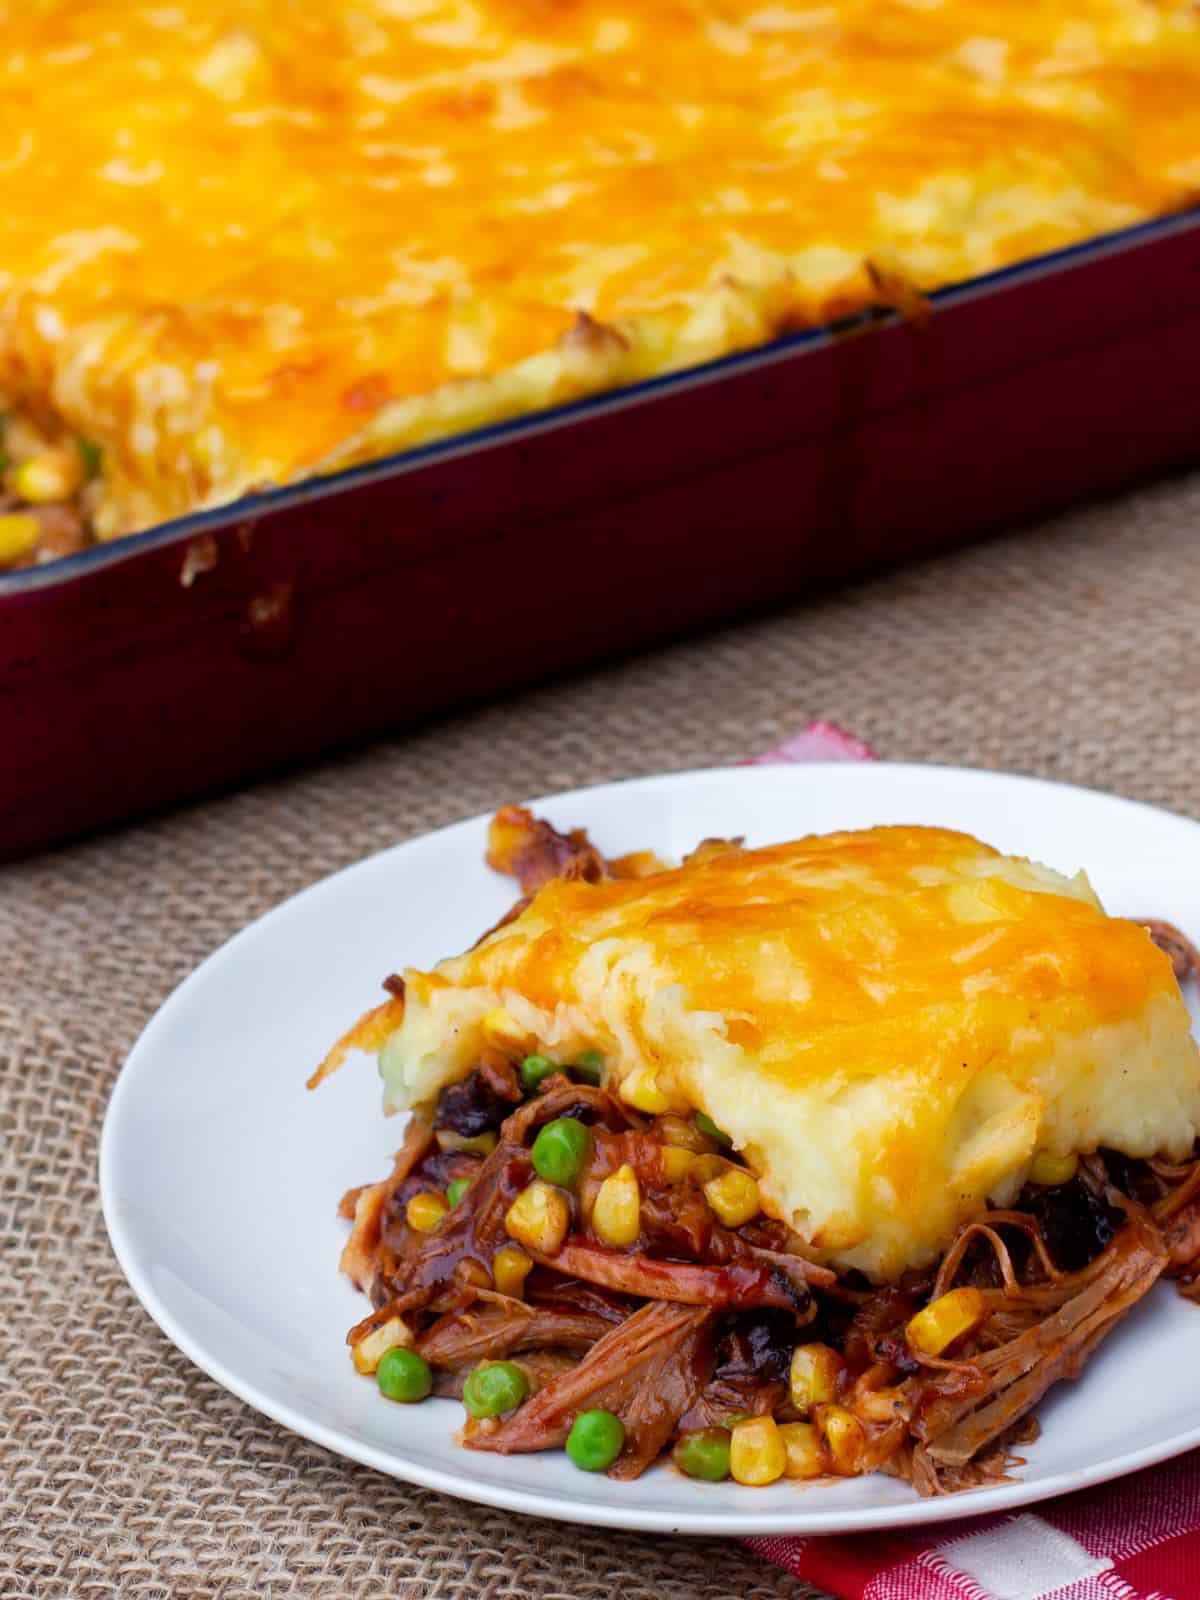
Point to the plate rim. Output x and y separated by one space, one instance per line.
571 1508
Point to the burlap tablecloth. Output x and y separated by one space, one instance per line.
1069 651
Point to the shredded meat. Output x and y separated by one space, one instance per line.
1185 958
1177 1213
724 1399
740 1285
469 1236
507 1325
954 1427
500 1075
562 1098
551 1289
528 849
368 1205
796 1270
702 1334
694 1326
441 1264
653 1408
753 1353
539 1366
629 1358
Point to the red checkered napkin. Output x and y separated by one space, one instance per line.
1135 1539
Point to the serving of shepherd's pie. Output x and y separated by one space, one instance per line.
818 1158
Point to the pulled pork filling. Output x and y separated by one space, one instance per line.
613 1264
48 484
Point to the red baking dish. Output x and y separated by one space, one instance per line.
331 610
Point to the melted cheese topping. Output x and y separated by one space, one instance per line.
240 241
889 1024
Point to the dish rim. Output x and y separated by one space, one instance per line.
397 463
566 1507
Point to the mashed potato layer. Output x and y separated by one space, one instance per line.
889 1024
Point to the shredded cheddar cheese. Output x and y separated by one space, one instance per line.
242 242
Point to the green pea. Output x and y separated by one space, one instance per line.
595 1440
456 1190
588 1067
494 1388
703 1453
403 1375
534 1069
708 1126
560 1151
90 455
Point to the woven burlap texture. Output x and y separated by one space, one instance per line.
1068 650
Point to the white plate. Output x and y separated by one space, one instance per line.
220 1174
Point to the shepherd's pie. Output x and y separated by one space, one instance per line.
816 1158
241 243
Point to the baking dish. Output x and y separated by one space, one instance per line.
222 645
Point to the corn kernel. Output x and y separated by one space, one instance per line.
539 1218
951 1316
22 440
845 1439
424 1211
481 1144
640 1090
47 477
1050 1170
683 1134
757 1455
676 1163
812 1380
803 1450
510 1267
205 447
18 536
617 1212
734 1196
369 1351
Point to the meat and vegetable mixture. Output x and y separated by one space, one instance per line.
585 1275
46 485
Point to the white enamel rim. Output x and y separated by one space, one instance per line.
165 1246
